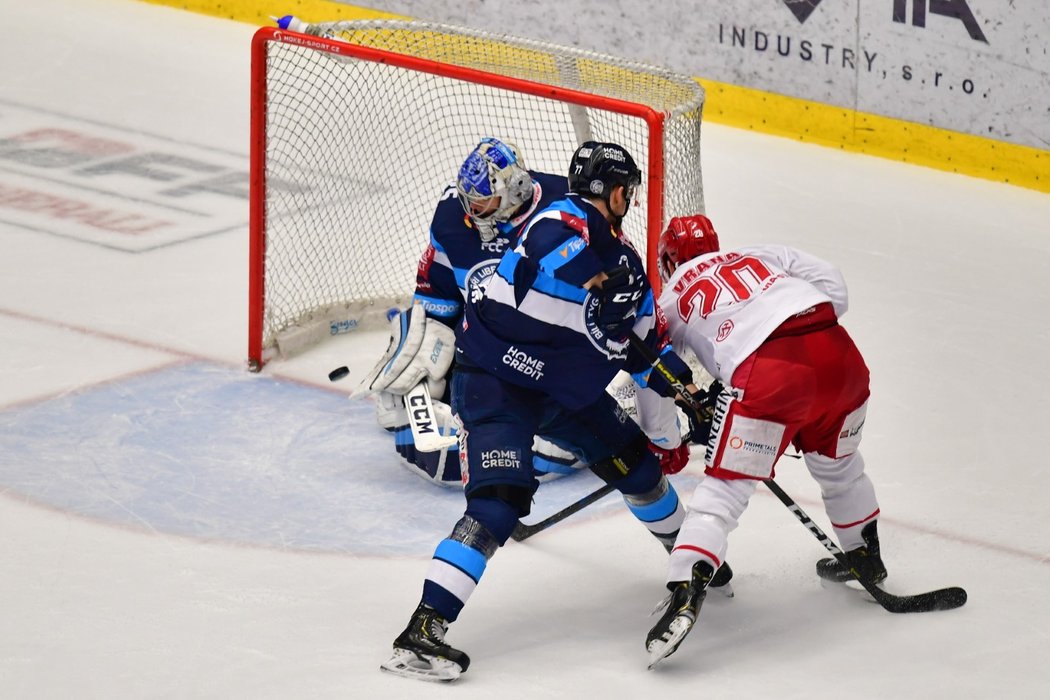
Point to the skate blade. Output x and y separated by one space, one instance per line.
726 590
660 649
408 664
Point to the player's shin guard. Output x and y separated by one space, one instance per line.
458 564
660 511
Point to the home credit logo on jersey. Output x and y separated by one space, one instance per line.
121 189
523 362
500 459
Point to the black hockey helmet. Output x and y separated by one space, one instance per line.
596 168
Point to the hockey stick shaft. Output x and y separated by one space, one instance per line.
653 358
523 531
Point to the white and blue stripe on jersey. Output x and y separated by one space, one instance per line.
456 250
534 325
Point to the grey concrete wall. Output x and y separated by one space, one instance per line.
975 66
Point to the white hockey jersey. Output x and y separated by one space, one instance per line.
724 305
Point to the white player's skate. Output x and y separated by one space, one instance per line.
682 607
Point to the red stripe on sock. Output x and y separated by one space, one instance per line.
863 520
704 552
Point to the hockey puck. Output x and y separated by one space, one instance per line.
338 373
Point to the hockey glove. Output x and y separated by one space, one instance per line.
620 295
670 360
420 348
700 423
671 461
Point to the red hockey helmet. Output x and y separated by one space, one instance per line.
685 238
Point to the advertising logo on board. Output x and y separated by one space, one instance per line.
955 9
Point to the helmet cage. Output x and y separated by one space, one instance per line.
494 169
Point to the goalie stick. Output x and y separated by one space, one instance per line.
421 419
940 599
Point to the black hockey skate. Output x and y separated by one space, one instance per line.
420 651
721 579
683 605
865 561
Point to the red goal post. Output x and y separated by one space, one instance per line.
357 127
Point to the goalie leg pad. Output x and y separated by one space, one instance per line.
551 461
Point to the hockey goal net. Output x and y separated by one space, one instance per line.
357 127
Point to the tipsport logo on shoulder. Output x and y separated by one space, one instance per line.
610 347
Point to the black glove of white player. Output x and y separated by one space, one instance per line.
700 423
618 302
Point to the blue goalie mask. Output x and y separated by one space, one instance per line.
493 184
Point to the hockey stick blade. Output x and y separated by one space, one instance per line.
524 532
940 599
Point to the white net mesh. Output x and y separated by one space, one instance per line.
358 151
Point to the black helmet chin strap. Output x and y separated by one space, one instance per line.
616 220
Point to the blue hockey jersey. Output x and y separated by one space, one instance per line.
533 323
456 259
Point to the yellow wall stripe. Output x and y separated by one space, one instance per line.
745 108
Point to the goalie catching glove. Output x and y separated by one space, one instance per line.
420 349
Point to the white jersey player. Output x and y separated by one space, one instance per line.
764 321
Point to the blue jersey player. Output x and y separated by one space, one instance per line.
536 348
493 197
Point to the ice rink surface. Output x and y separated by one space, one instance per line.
172 526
